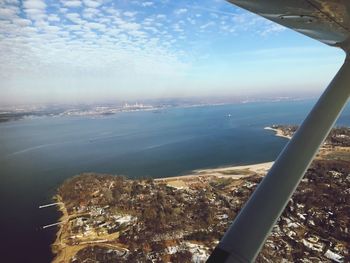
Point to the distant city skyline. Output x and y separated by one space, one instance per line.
78 51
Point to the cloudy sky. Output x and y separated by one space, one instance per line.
98 50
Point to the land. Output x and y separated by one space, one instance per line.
18 113
335 147
338 137
109 218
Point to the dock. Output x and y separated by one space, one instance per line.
54 224
48 205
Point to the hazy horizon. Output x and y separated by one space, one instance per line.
189 100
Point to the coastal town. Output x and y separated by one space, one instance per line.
35 111
109 218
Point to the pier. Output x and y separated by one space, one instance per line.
54 224
48 205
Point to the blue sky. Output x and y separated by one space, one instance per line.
98 50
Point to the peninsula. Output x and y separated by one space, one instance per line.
109 218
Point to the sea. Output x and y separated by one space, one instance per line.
38 154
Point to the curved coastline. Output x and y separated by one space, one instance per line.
278 132
234 172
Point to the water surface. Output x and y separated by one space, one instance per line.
36 155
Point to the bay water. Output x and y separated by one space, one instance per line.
38 154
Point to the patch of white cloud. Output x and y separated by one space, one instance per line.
35 9
21 22
129 14
147 3
9 12
180 11
92 3
11 2
71 3
75 18
272 28
53 18
91 13
34 4
161 16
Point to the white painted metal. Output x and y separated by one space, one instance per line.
327 21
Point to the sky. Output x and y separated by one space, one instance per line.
104 50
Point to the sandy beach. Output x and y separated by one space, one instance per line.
235 172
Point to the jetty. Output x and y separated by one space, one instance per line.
54 224
48 205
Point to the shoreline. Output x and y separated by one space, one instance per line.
234 171
60 250
195 179
278 132
57 245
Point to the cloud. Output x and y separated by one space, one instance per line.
21 22
11 2
34 4
8 13
71 3
145 4
129 26
96 26
177 28
129 14
69 40
53 18
92 3
75 18
272 28
161 16
180 11
35 9
90 12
